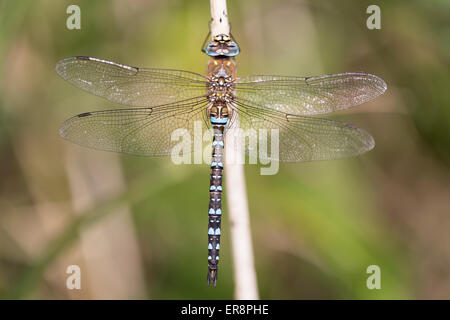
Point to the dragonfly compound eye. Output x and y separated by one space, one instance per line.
222 46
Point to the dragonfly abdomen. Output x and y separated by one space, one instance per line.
215 198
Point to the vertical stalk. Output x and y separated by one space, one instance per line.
219 18
236 195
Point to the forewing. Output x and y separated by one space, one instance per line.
132 86
311 95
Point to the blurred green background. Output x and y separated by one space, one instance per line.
137 226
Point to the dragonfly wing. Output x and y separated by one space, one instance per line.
132 86
311 95
299 138
140 131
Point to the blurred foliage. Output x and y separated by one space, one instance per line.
316 226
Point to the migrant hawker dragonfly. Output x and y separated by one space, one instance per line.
164 100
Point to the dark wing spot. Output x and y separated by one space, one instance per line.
306 80
81 115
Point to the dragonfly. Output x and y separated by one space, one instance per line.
161 100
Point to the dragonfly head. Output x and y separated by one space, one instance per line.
222 46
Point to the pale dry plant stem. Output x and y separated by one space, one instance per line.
236 195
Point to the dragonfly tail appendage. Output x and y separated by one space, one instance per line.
212 276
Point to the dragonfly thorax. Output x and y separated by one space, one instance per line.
220 89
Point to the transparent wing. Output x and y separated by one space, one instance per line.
300 138
132 86
311 95
139 131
